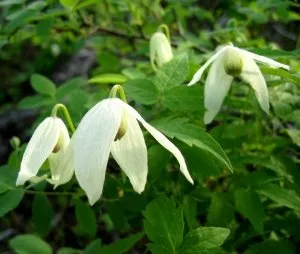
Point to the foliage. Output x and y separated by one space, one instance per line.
245 165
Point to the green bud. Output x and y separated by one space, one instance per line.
15 142
233 62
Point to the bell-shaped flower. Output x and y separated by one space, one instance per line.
111 126
49 141
160 50
227 63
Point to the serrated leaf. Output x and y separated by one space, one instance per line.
247 202
42 85
285 197
108 78
164 223
142 90
203 238
86 218
10 200
29 244
173 73
193 135
42 214
184 99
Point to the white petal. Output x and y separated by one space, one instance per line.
216 87
252 75
92 144
198 74
131 153
161 139
61 171
265 60
38 149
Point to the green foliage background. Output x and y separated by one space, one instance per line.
246 197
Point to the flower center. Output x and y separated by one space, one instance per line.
58 145
233 62
122 129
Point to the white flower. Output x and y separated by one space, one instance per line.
49 141
160 50
111 126
228 63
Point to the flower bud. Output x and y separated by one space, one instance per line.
15 142
160 50
233 62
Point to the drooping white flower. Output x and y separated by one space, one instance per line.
49 141
160 50
111 126
227 63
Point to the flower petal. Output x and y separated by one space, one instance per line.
265 60
252 75
198 74
216 87
38 149
55 159
160 139
92 143
130 152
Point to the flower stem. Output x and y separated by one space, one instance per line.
115 89
66 113
164 29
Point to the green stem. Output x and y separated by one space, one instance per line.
115 89
164 29
66 113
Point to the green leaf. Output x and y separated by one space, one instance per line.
203 238
193 135
164 223
10 200
294 135
173 73
142 90
281 73
35 101
11 2
247 202
221 210
29 244
42 85
123 245
21 19
7 179
277 53
42 214
184 99
108 78
86 218
68 3
190 211
285 197
272 247
94 247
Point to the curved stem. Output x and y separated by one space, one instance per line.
66 113
164 29
115 89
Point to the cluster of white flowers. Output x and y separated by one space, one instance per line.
112 126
